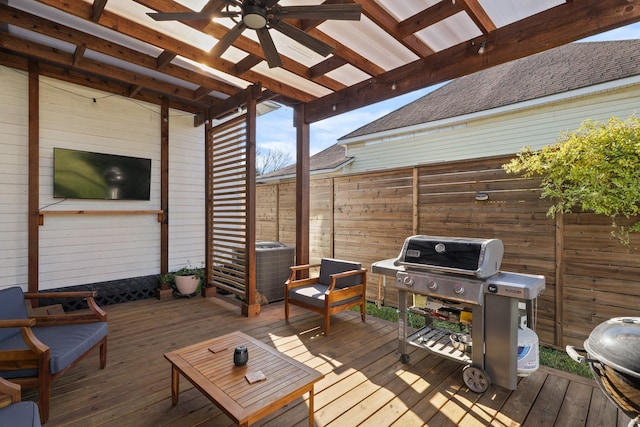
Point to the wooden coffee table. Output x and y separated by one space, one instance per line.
209 367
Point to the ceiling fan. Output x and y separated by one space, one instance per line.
262 15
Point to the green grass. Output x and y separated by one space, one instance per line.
550 357
560 360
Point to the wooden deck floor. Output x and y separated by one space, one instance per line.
364 384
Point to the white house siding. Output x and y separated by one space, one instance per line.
14 119
490 133
186 192
79 249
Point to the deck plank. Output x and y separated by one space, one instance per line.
575 405
365 383
547 405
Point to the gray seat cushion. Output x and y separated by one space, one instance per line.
329 266
21 414
314 295
67 343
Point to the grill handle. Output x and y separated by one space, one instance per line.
574 353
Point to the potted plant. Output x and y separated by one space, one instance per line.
166 286
188 279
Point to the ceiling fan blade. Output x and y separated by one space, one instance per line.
303 38
270 3
344 12
190 16
269 49
228 39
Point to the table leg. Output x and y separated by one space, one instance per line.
175 385
311 411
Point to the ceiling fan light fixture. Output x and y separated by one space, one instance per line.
254 17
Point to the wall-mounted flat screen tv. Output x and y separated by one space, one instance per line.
86 175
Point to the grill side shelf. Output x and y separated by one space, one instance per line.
437 341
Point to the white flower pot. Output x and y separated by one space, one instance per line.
187 284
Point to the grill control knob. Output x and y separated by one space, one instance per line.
458 289
432 285
408 281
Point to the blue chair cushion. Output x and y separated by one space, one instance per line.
11 307
67 344
21 414
314 295
329 266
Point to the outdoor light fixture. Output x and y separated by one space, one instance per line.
481 197
334 107
255 17
482 49
393 86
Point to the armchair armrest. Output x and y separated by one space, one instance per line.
51 295
27 334
303 267
9 392
96 314
17 323
292 282
36 346
336 276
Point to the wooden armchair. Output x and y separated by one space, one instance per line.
13 412
35 349
339 286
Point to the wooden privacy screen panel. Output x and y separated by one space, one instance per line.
227 205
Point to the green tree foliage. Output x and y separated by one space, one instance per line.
595 168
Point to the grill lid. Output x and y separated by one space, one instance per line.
477 257
616 343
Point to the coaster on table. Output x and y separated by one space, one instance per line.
254 377
218 348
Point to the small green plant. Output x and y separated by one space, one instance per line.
596 168
191 270
166 278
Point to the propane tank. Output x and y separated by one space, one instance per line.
528 355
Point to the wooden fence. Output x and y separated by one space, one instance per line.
590 277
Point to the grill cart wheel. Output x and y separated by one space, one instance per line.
404 358
477 379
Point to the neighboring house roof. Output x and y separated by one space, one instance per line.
569 67
327 160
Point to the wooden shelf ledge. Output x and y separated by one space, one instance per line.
159 213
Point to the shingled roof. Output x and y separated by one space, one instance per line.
326 160
569 67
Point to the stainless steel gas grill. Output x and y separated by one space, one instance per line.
460 282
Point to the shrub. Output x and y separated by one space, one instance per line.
595 168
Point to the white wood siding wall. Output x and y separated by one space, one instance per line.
186 192
77 249
14 117
497 134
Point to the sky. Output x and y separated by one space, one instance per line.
275 130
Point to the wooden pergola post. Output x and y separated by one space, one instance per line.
34 176
251 307
302 186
